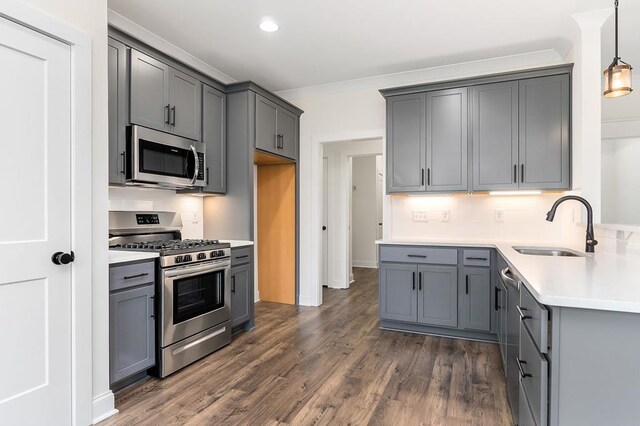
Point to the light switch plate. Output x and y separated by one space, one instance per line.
445 215
499 215
420 216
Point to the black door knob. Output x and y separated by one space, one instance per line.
324 228
61 258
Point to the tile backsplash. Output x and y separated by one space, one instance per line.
482 216
190 207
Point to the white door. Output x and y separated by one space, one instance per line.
35 218
324 279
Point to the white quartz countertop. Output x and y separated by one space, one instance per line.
121 256
238 243
600 280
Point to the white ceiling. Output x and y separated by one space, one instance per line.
325 41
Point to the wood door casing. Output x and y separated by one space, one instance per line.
277 232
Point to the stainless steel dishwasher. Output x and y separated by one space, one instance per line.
512 285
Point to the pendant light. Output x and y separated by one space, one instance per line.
617 77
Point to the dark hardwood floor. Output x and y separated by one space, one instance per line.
328 365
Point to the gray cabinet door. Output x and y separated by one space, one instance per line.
406 150
214 138
117 72
398 292
287 127
501 319
131 332
475 287
544 132
266 125
446 135
495 136
240 296
149 92
186 105
438 295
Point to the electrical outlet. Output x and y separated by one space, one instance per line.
420 216
445 215
499 215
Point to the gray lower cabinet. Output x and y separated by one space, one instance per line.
406 145
118 100
438 295
475 302
494 126
276 128
446 135
544 149
131 320
241 282
164 98
398 292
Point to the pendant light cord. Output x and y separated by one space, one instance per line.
616 11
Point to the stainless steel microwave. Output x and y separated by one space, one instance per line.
158 158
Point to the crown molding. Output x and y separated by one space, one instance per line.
434 74
134 30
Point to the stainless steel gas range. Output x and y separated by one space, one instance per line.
193 294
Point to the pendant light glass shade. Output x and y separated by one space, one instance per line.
617 76
617 80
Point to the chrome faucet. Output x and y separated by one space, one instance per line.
591 241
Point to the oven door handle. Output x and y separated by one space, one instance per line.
197 164
190 272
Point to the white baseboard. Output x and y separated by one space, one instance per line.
365 264
103 407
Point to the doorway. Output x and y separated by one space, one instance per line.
336 229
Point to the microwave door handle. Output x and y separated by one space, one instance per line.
197 165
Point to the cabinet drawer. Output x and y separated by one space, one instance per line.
410 254
533 377
240 256
535 319
131 275
476 257
525 417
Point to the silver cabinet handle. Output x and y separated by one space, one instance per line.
523 316
197 164
522 373
124 162
166 111
153 306
173 120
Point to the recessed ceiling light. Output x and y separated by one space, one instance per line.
267 25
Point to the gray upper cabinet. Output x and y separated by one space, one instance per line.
164 98
214 138
544 133
406 147
446 128
149 92
495 136
475 285
117 72
276 129
398 292
185 99
438 295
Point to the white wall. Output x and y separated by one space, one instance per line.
189 206
620 181
91 17
363 211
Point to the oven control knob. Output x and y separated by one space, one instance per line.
220 252
202 256
178 259
213 254
187 258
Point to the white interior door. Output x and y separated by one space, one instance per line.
324 279
35 222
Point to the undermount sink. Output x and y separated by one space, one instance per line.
543 251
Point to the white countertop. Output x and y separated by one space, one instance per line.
121 256
238 243
602 281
